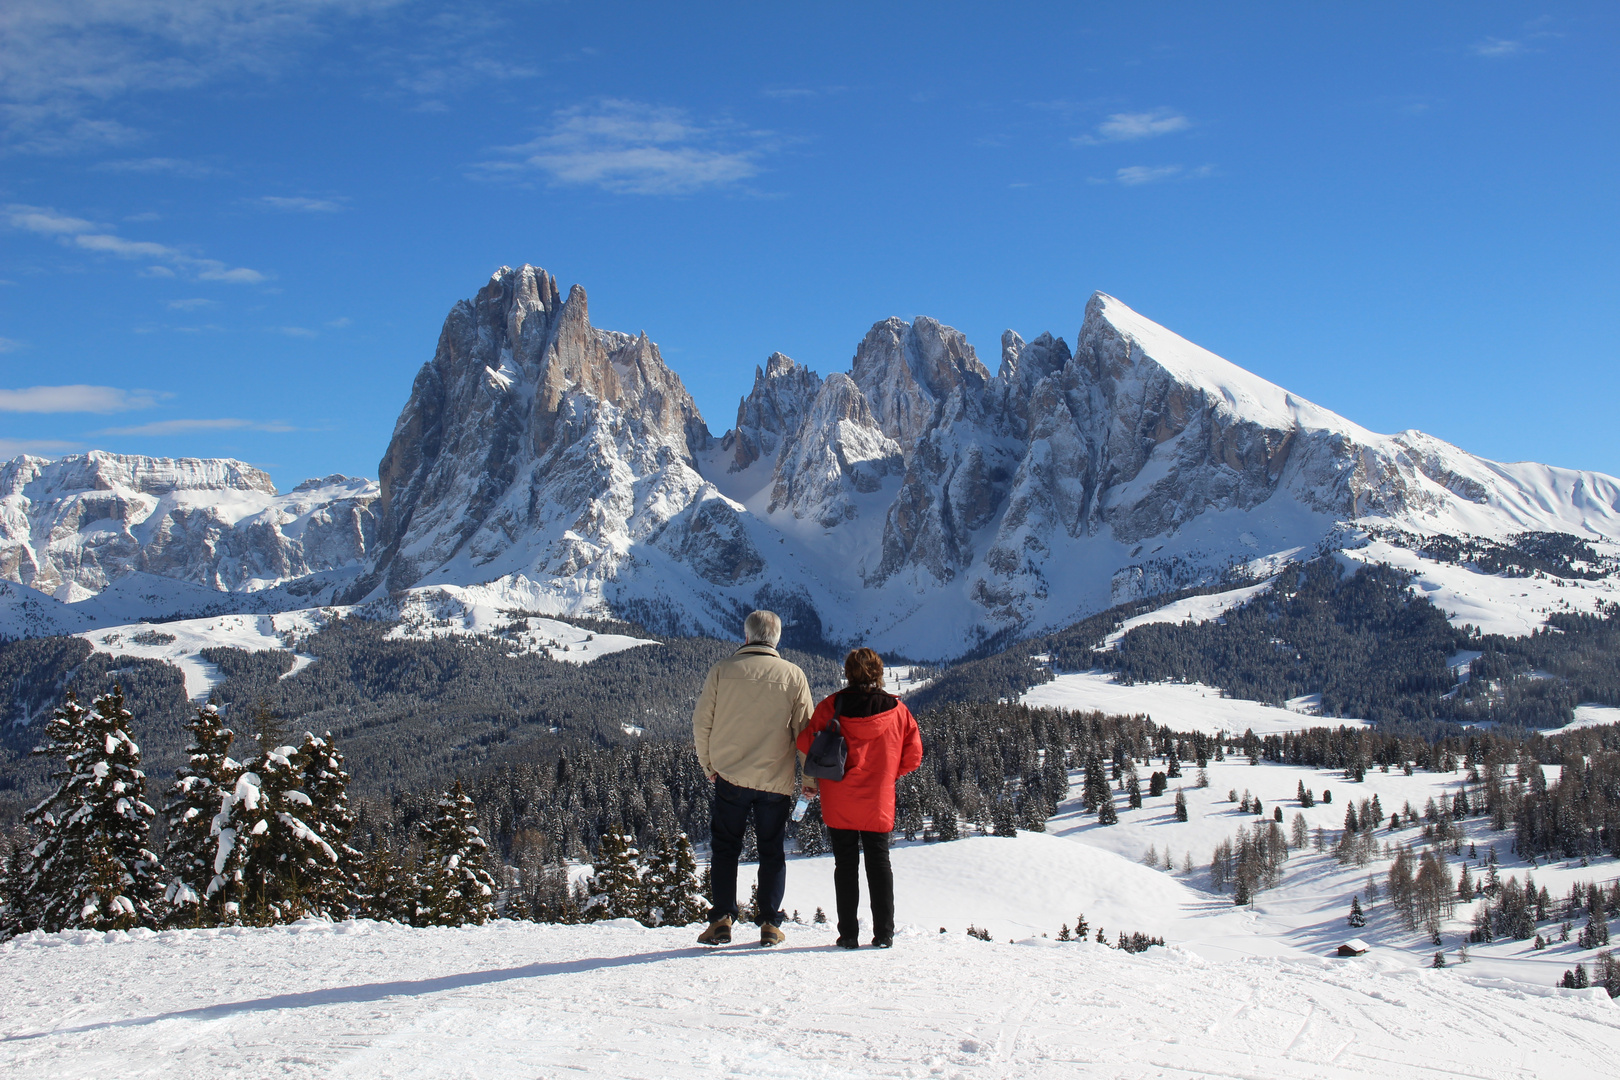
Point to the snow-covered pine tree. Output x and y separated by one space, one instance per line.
1357 917
671 884
91 867
615 889
336 893
206 779
387 889
1181 805
270 864
811 833
454 883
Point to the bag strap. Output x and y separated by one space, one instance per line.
838 711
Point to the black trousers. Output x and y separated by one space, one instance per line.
733 806
846 849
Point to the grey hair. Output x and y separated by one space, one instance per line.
763 628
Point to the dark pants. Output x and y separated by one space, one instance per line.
732 806
846 849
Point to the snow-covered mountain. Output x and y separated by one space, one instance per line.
916 502
76 525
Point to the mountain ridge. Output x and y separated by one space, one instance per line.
915 501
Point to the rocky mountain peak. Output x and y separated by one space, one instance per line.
523 396
775 407
909 370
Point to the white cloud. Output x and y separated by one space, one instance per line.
1497 48
182 427
82 234
192 170
1135 175
75 399
302 205
635 148
62 62
9 345
1147 174
192 303
1129 127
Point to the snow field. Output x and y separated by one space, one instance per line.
521 1000
1179 706
1197 609
187 638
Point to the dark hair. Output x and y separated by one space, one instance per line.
864 670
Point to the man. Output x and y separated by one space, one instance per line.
753 706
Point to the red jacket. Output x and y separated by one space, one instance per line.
882 748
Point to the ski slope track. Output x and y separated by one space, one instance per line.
916 501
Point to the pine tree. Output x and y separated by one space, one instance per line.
200 787
1357 918
387 890
270 864
1064 935
1106 814
335 892
91 867
671 885
454 886
1181 806
812 831
615 889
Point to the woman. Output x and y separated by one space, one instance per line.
858 810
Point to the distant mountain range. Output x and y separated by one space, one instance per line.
916 502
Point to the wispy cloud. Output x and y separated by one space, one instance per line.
190 170
183 427
1134 175
1497 48
631 147
64 63
87 236
1132 126
76 399
192 303
9 345
299 204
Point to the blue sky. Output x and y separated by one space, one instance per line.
234 228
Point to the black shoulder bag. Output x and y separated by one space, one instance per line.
828 750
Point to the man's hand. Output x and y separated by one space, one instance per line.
712 777
810 790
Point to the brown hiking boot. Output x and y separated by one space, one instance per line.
771 935
718 933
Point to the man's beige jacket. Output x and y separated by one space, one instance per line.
753 705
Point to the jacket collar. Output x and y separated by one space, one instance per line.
760 648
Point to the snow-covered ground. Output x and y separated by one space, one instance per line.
451 611
1239 992
181 642
1513 606
618 1000
1196 609
425 613
1182 706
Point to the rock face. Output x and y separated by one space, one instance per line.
72 526
915 503
535 444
